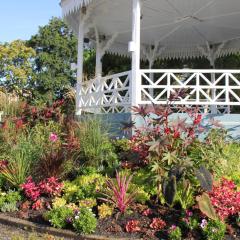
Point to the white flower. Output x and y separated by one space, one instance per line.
76 217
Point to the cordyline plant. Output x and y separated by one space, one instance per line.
117 192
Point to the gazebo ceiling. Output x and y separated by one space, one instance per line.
180 26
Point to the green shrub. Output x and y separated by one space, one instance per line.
141 196
121 145
9 207
214 230
96 148
8 201
21 156
231 153
175 233
85 222
72 192
90 184
84 186
58 216
12 196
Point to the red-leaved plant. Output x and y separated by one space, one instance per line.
225 198
174 135
132 226
117 192
31 190
158 224
49 187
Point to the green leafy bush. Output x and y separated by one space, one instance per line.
141 196
84 186
58 216
9 207
21 157
85 221
96 148
8 201
175 233
72 192
214 230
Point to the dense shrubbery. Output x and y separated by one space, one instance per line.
164 181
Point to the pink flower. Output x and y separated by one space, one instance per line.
53 137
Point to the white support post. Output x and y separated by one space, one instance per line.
80 63
136 49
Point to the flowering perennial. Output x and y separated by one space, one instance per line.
225 198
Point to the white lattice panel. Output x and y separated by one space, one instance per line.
105 95
202 87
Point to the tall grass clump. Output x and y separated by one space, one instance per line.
96 148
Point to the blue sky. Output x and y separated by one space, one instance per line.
20 19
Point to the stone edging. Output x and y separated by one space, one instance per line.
10 221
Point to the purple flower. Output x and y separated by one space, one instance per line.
76 212
69 220
172 228
189 213
203 223
53 137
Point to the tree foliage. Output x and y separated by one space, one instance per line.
16 67
56 49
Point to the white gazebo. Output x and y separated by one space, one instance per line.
151 30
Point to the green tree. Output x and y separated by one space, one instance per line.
56 49
16 62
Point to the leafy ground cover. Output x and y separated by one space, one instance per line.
163 183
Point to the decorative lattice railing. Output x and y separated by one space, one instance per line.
212 90
207 89
106 95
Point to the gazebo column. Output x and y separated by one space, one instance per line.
81 30
135 48
211 53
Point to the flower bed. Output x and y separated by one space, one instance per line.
164 183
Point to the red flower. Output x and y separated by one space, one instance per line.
5 125
197 119
147 212
167 130
3 164
133 226
157 224
176 134
34 110
19 123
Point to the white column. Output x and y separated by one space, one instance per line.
99 55
79 64
136 48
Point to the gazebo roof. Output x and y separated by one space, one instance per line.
180 27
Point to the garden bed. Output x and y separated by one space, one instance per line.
163 183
